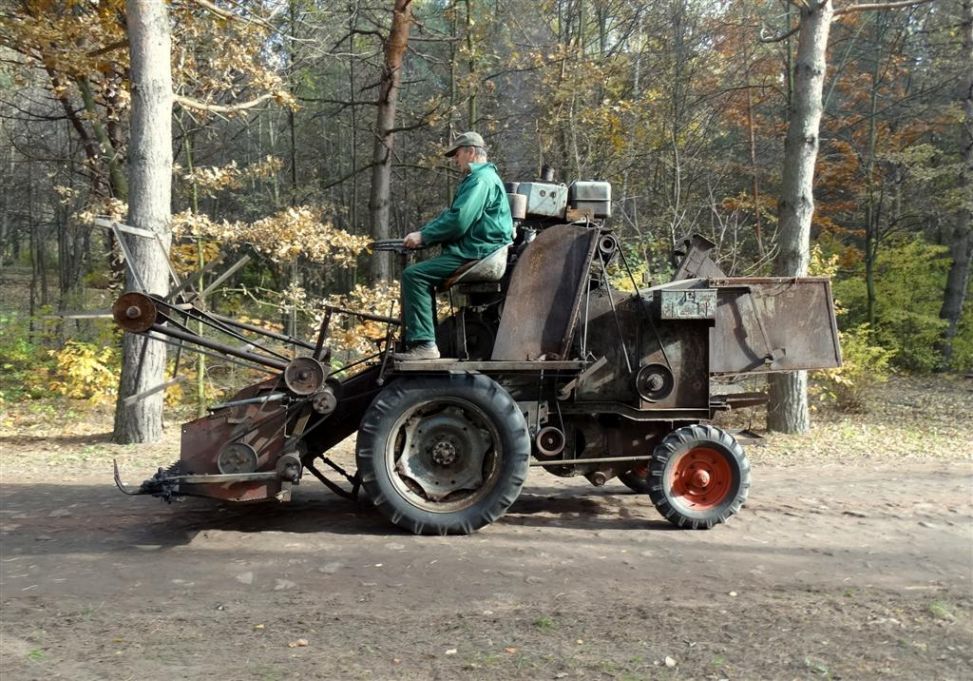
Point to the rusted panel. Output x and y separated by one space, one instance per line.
542 303
698 261
257 425
773 324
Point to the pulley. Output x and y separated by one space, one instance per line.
237 457
654 382
134 312
550 441
304 376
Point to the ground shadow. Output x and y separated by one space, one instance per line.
53 441
51 518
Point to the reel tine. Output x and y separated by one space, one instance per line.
132 399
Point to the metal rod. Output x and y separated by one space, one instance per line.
205 318
334 487
127 254
363 315
191 280
322 333
272 397
257 329
80 315
219 347
618 325
226 275
129 401
363 360
646 313
214 355
165 256
222 477
607 459
584 330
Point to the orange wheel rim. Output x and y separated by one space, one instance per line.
701 478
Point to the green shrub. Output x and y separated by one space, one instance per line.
863 366
22 353
910 276
962 359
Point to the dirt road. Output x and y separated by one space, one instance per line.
837 572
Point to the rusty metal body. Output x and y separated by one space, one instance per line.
601 375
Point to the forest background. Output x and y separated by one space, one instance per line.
301 130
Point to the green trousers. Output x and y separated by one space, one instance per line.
419 284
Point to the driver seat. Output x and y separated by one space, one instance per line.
485 270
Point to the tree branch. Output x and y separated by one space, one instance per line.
782 36
879 5
189 103
230 16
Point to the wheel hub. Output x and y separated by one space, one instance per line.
701 478
444 453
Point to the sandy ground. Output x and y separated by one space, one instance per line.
837 572
842 566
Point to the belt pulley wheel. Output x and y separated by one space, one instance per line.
134 312
653 382
549 441
237 457
607 247
304 376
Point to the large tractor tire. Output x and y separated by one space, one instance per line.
699 476
443 454
637 479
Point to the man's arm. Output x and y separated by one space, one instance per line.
454 222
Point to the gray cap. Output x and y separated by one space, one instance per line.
466 139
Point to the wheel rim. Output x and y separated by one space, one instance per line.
444 455
701 478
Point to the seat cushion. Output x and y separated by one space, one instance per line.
490 268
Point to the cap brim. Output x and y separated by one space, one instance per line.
452 152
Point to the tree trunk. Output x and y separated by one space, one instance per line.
395 46
787 409
150 187
961 243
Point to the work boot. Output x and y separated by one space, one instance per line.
421 350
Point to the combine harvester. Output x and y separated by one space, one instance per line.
553 368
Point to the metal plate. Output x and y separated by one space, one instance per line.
773 324
541 308
697 303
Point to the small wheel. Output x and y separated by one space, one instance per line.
698 477
444 454
637 479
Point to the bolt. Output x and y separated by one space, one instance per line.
132 312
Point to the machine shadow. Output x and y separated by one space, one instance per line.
69 518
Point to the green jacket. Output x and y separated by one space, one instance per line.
478 222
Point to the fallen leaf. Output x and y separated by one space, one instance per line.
299 643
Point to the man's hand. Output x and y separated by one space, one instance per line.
413 240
